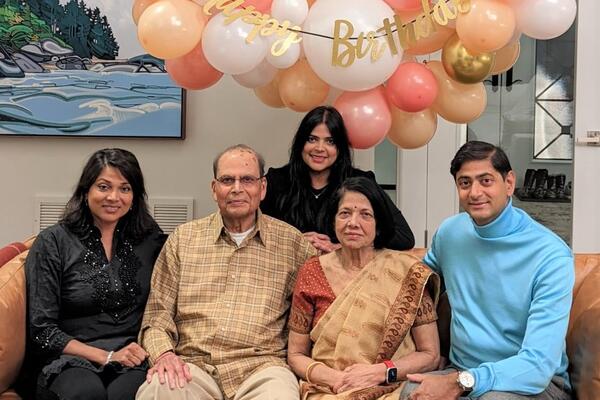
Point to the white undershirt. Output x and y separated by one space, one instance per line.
238 238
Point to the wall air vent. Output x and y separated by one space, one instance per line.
168 212
48 210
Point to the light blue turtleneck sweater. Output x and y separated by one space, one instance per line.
510 285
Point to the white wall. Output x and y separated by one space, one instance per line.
220 116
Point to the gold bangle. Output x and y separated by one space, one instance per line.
310 367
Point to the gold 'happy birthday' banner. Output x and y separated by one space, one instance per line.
344 51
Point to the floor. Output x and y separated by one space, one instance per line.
556 216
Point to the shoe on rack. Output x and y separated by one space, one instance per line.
527 188
541 175
551 187
560 186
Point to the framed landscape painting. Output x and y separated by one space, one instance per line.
76 68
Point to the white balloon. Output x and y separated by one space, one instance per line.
259 76
285 60
226 49
365 16
294 11
545 19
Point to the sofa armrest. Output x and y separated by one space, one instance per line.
12 319
10 251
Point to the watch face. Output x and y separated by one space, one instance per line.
466 379
392 375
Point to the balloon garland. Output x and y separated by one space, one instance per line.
292 52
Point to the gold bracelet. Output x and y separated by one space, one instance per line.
310 367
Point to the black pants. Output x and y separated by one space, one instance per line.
80 383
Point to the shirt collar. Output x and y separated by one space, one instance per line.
507 222
218 230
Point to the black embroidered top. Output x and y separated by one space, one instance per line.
74 292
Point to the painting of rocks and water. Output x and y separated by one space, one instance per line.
76 68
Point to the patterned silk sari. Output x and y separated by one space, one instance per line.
370 321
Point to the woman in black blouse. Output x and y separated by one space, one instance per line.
299 192
88 279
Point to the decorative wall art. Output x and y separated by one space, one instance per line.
76 68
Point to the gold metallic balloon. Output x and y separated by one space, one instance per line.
463 65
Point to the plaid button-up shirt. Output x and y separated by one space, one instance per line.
212 302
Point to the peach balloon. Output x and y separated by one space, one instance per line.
171 28
269 94
457 102
366 116
431 43
488 26
139 6
300 88
506 57
412 130
264 6
193 71
405 5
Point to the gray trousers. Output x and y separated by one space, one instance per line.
554 391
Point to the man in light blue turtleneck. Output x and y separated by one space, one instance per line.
509 281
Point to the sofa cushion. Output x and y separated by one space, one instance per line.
584 264
9 395
12 319
9 252
583 346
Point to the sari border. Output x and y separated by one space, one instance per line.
404 310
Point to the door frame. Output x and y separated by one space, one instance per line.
427 194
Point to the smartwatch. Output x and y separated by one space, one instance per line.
465 381
391 374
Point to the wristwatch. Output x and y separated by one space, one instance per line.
466 381
391 374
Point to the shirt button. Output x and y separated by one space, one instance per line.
223 329
232 276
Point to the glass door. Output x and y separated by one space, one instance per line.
530 115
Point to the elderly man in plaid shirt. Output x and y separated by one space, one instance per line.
215 322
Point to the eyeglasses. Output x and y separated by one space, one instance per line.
246 180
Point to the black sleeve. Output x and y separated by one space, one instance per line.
43 271
403 238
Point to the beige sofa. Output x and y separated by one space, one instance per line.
583 340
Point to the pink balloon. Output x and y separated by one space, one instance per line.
366 116
412 87
192 71
264 6
405 5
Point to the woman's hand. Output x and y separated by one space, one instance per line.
321 242
358 376
130 356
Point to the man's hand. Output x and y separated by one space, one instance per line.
435 387
130 356
174 368
358 376
321 242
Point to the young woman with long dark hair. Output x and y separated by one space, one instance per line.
320 160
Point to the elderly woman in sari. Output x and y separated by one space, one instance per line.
362 316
